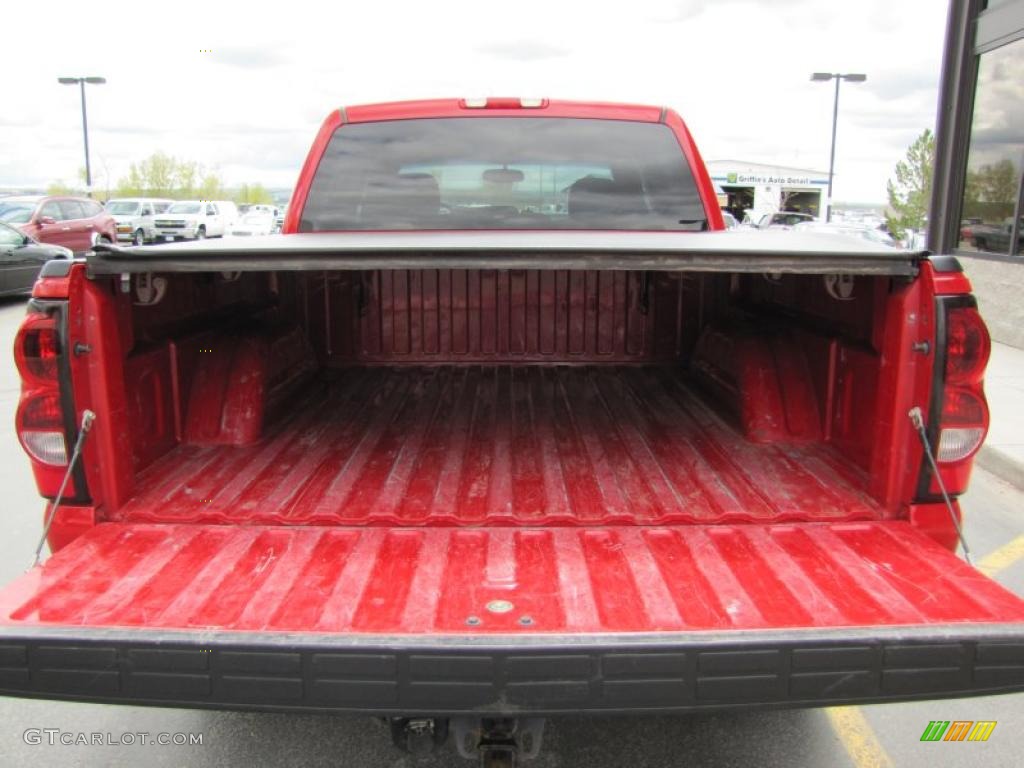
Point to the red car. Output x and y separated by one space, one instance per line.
77 223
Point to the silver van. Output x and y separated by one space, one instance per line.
135 217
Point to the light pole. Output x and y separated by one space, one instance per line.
80 82
821 77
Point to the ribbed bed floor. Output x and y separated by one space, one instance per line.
500 445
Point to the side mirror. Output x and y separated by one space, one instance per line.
46 220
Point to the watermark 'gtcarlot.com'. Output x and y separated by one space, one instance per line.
57 737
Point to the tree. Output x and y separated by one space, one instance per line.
990 191
998 183
186 175
910 191
158 172
161 175
132 185
59 188
251 194
211 188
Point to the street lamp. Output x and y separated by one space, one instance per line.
823 77
80 82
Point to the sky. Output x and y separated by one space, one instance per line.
242 89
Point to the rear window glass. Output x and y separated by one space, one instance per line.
503 173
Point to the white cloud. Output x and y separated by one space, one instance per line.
524 50
737 70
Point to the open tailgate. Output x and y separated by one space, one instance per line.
447 620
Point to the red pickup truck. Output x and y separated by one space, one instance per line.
503 428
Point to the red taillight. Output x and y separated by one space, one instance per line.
964 418
967 346
40 417
37 350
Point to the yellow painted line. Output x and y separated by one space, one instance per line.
858 737
1004 557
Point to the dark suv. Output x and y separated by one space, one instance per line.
77 223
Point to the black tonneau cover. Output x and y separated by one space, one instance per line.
733 251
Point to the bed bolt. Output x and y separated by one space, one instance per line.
922 346
526 620
473 621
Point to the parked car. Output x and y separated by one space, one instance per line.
729 220
21 257
77 223
135 217
253 223
995 238
195 220
967 227
424 466
271 210
783 219
870 234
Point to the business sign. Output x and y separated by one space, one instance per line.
791 181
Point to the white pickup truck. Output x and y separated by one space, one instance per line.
196 220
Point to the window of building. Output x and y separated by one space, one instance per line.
990 213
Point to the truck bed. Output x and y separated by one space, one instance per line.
500 445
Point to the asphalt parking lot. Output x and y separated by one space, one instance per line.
859 737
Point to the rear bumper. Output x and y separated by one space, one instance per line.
544 675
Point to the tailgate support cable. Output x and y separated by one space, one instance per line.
88 417
918 421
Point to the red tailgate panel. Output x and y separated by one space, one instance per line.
522 581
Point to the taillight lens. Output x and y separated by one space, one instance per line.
964 418
967 346
964 421
40 416
37 349
40 422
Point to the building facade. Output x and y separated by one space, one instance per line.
756 189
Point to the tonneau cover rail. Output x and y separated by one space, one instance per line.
753 252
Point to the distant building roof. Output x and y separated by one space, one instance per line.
746 165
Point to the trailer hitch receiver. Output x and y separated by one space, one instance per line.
498 742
